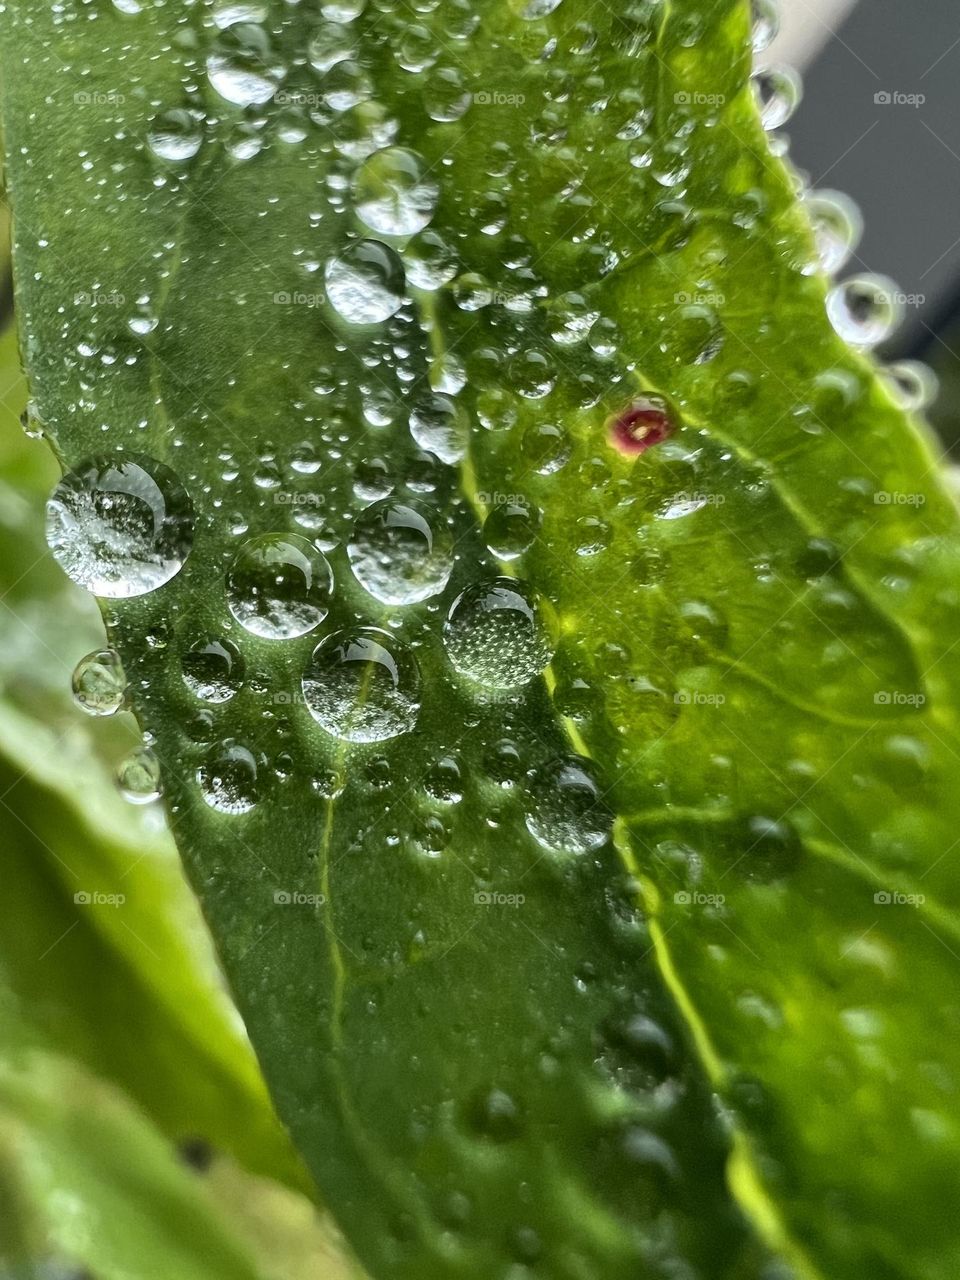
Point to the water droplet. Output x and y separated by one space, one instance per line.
644 423
511 527
362 685
863 310
446 97
444 782
279 586
531 375
120 527
175 136
500 633
331 43
567 814
226 13
837 227
365 284
495 1115
393 195
242 67
604 337
343 10
417 49
229 777
778 90
138 776
912 384
766 23
346 85
430 261
397 555
546 447
99 683
213 670
766 849
441 426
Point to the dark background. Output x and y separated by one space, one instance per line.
900 162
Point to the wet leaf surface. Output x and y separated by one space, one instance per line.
576 828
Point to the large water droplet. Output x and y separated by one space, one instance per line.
138 776
120 527
213 670
175 136
441 426
99 683
912 384
864 309
500 633
837 227
430 261
778 90
510 528
242 67
567 814
362 685
365 284
393 195
229 777
398 555
279 586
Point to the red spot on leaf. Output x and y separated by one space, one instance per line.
641 425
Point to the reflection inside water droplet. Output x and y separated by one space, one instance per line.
500 633
120 527
363 685
398 555
279 586
99 683
365 283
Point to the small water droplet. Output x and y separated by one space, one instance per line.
779 90
766 23
912 384
175 136
511 527
229 777
863 310
429 260
99 683
495 1115
444 781
837 227
242 67
441 426
138 776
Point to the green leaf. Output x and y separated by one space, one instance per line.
125 984
503 940
91 887
86 1180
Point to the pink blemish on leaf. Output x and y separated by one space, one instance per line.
640 426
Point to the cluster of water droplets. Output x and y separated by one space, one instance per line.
865 309
357 566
